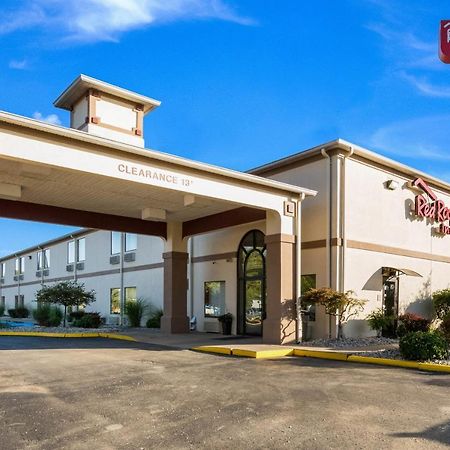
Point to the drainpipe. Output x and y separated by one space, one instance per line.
18 280
191 275
121 294
298 268
329 227
342 217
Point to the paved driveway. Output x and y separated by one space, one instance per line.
104 394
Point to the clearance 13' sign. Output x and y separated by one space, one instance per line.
430 207
444 41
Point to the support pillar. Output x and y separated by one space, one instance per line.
175 318
279 327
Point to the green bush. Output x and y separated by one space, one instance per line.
445 327
18 313
88 320
48 316
441 302
154 320
412 322
2 311
135 310
423 346
379 322
75 315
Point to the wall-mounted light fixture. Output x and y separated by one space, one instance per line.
392 185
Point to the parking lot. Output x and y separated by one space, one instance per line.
105 394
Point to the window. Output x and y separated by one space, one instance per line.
130 294
81 250
309 282
114 307
130 242
116 238
80 254
2 302
19 301
71 252
20 265
2 270
43 259
214 294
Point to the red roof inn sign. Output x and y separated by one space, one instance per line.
444 41
427 205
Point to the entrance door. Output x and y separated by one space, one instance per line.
390 304
252 283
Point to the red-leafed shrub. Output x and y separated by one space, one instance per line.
411 323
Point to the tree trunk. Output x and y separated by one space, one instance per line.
340 330
65 312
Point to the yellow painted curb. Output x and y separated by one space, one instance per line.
260 354
434 367
384 361
212 349
121 337
321 354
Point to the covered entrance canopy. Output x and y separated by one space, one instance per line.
59 175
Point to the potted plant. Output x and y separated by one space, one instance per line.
226 320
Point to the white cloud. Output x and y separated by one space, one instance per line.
427 88
18 64
420 138
51 118
103 20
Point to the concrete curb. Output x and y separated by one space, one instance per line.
322 354
121 337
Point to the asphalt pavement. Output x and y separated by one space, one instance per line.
105 394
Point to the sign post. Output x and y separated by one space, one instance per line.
444 41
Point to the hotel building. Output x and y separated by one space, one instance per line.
200 241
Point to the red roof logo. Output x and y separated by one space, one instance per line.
444 41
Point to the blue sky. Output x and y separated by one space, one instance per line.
241 82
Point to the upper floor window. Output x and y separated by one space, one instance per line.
116 242
130 242
76 250
20 265
43 259
81 249
2 270
116 239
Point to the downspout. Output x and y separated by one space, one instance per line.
191 275
328 233
122 296
342 217
18 281
298 268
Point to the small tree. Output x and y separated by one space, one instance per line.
338 304
65 293
441 302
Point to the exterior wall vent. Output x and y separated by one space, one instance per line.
80 266
129 257
69 268
46 272
115 259
38 274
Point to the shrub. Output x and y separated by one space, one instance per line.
339 304
135 310
88 320
48 316
19 313
412 322
441 302
423 346
75 315
154 320
379 322
2 311
444 327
